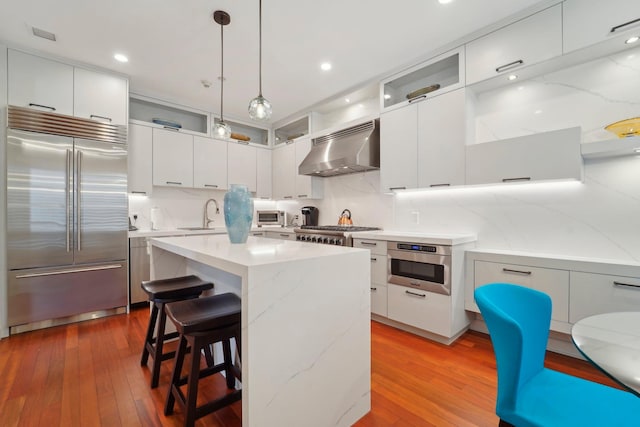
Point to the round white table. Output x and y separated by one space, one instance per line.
611 342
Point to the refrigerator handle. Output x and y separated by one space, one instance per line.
79 198
68 199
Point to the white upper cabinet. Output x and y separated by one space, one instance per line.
263 173
284 159
422 145
172 158
586 22
525 42
100 97
441 140
544 156
306 187
140 156
241 164
40 83
399 148
209 163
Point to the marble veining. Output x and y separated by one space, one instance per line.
305 323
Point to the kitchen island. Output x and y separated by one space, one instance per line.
305 323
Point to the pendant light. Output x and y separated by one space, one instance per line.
259 107
220 128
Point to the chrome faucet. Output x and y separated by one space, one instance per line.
206 220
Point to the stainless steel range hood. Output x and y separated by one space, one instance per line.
354 149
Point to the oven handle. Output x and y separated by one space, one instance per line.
415 294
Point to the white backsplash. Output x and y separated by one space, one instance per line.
591 95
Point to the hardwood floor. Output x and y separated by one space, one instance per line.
89 374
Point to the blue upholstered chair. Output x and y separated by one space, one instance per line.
529 394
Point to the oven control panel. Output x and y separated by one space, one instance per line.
419 248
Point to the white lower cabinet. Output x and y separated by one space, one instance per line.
599 293
421 309
172 158
554 283
282 235
378 250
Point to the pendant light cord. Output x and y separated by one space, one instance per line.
260 53
221 72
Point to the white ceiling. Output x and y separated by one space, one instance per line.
174 44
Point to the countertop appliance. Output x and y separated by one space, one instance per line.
420 266
329 234
272 217
350 150
66 219
310 215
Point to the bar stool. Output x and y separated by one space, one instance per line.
162 292
202 322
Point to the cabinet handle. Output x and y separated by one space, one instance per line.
302 195
42 106
174 183
139 192
242 142
509 66
397 188
522 178
415 294
94 116
287 197
374 259
284 235
171 128
628 285
211 185
374 289
439 185
618 27
417 98
508 270
258 234
369 243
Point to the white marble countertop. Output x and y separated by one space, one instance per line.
221 229
215 249
417 237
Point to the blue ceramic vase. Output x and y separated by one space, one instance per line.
238 213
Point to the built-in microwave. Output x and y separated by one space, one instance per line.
420 266
271 218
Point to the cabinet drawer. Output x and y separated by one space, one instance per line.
379 299
554 283
599 293
378 247
529 41
421 309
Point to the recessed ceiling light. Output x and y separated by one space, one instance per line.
632 40
537 112
387 96
512 77
120 57
444 1
347 100
325 66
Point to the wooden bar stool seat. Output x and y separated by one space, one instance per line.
202 322
162 292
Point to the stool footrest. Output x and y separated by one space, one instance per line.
213 406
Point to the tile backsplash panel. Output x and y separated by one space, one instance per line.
591 95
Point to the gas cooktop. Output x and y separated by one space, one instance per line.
343 228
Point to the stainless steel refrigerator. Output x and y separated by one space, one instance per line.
66 219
